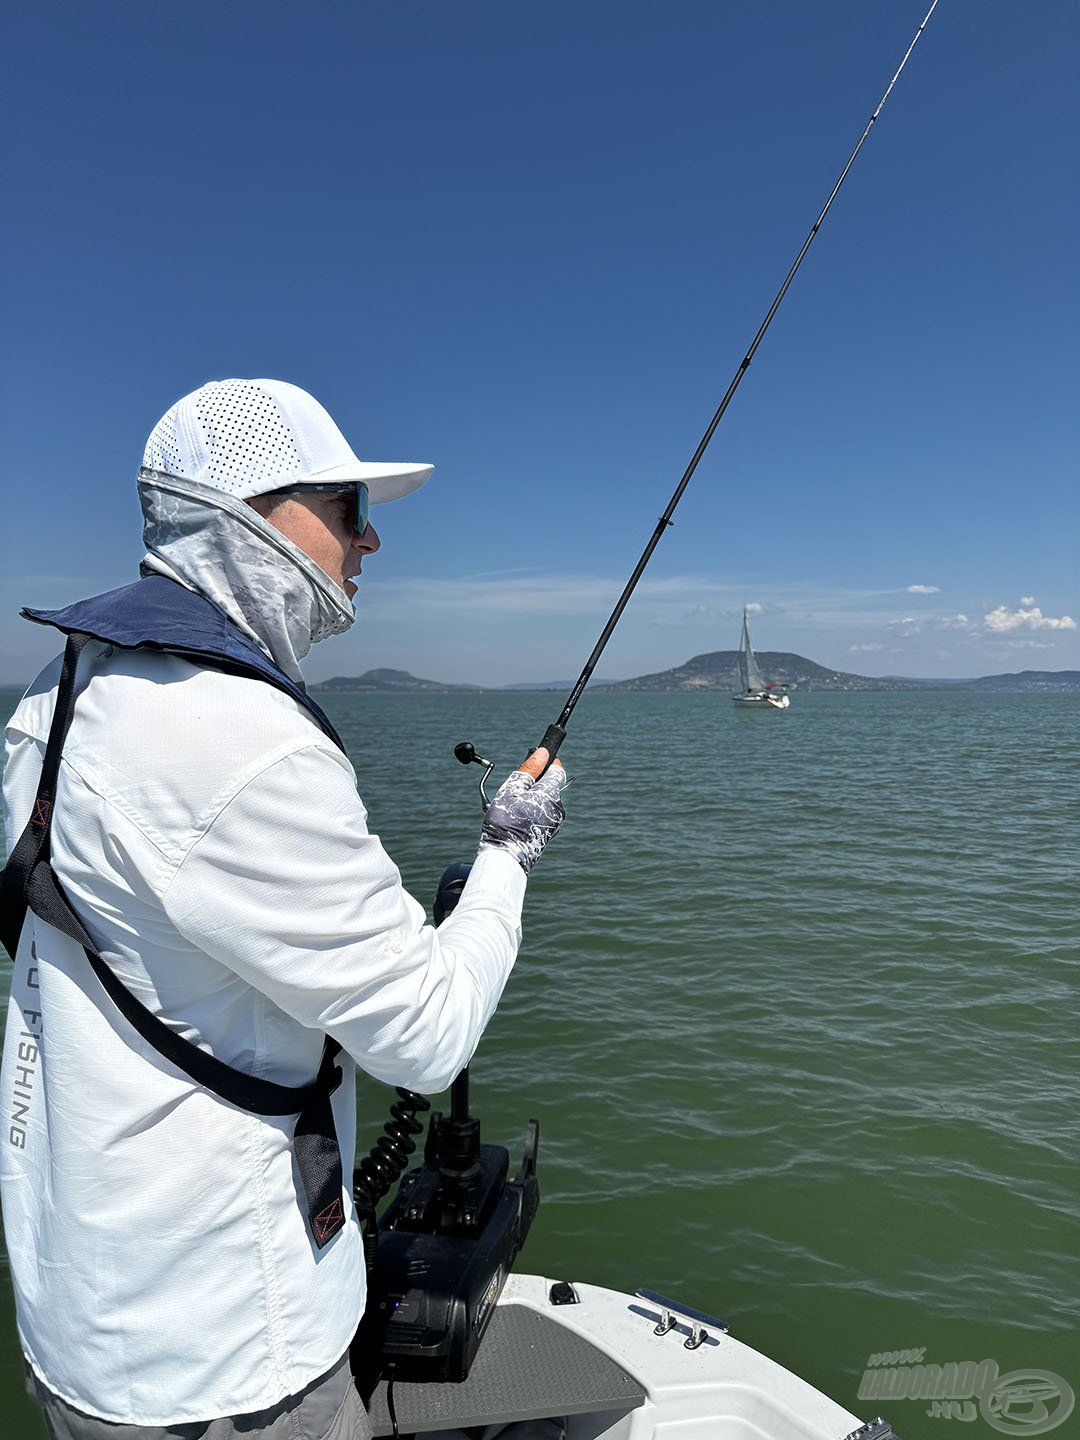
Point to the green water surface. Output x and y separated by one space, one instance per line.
796 1008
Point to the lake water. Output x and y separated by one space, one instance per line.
797 1009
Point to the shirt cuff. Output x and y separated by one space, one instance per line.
496 879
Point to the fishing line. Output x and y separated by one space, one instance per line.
556 732
440 1202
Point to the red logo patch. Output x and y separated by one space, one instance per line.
41 812
328 1220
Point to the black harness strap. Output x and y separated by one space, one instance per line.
34 844
28 882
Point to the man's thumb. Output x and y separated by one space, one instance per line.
534 765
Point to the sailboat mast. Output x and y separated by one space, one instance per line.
744 653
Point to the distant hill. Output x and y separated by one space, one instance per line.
1028 681
719 670
374 681
562 685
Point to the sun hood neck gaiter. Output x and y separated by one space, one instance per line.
222 548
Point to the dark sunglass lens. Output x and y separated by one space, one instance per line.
352 510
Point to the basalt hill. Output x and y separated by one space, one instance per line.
719 670
382 681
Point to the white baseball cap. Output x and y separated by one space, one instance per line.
247 437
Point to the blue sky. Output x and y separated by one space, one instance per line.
530 244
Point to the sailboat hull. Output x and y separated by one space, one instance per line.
763 702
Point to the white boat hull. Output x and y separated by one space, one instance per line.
720 1390
763 702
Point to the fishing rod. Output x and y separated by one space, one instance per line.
438 1256
556 732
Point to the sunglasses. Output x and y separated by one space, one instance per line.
355 491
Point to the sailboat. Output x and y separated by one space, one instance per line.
755 691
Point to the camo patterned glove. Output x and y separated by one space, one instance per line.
524 815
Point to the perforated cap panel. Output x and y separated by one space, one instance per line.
163 449
245 437
248 442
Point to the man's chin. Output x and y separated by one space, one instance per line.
350 587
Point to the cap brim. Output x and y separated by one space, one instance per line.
385 480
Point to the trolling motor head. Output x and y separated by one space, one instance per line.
448 1240
449 892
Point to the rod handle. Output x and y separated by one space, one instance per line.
554 735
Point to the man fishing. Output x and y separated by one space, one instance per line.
206 937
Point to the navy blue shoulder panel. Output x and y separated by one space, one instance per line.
156 613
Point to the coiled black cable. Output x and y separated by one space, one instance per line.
379 1170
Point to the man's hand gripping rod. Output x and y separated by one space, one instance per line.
556 732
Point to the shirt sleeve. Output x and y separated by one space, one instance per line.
22 770
289 889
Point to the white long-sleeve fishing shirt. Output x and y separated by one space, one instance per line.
212 841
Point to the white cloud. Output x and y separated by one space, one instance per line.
1002 620
866 649
1027 599
493 596
905 626
924 589
499 626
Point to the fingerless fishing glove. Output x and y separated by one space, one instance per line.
524 815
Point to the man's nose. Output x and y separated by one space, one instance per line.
368 542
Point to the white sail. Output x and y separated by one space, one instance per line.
748 667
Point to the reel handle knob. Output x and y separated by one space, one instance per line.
466 753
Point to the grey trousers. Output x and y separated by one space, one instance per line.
328 1409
